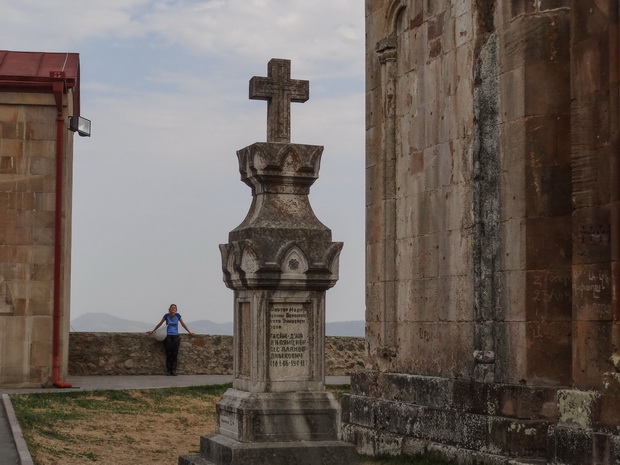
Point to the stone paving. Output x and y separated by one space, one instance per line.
8 451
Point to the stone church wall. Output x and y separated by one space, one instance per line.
492 235
92 354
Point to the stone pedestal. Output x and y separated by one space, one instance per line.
279 261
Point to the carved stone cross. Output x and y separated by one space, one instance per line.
279 90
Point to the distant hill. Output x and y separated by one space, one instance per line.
209 327
345 328
106 323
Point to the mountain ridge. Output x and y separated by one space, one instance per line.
105 323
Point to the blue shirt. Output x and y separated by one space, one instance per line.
173 324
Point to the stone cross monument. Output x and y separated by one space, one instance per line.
279 261
279 90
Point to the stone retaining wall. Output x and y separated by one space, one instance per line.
93 354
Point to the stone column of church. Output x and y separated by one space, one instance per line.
483 250
279 261
383 267
534 322
596 187
591 435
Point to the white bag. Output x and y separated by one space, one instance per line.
161 333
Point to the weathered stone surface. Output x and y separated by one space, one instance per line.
28 207
567 446
492 231
279 90
93 354
276 417
500 419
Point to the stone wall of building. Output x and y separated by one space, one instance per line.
493 221
32 284
92 354
466 109
27 220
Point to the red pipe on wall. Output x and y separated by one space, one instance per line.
58 87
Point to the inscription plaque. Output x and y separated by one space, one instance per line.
227 422
289 354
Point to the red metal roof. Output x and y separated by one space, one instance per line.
30 72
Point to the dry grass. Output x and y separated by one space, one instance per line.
133 427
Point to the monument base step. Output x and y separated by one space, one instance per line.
221 450
278 417
193 460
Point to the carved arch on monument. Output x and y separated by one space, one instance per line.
290 161
292 259
332 259
227 260
249 260
315 160
260 160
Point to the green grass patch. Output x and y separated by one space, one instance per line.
212 390
338 390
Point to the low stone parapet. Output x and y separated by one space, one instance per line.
92 354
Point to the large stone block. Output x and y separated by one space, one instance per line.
512 96
548 141
12 156
434 348
458 210
592 292
548 242
220 450
453 253
550 192
513 368
592 235
455 295
592 347
550 94
491 434
548 295
535 38
514 254
264 417
513 193
514 300
577 446
549 352
40 148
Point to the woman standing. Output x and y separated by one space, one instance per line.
172 341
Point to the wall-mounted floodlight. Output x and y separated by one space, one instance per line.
81 125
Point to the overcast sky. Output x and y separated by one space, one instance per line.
156 187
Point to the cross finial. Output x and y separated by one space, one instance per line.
279 90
